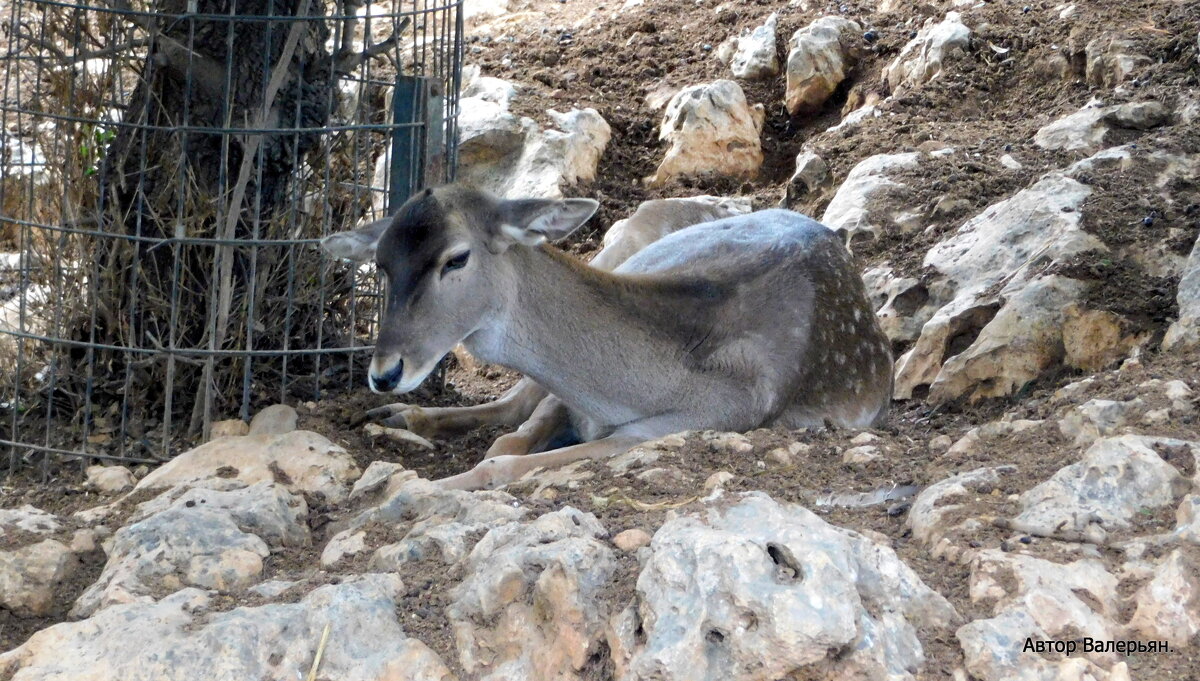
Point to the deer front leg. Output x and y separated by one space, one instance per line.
501 470
550 419
510 409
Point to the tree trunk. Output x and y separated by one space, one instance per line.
179 177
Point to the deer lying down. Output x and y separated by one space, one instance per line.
754 320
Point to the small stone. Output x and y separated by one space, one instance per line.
230 428
277 419
1011 163
716 480
631 540
779 457
729 442
1177 390
860 455
83 541
109 479
940 443
864 438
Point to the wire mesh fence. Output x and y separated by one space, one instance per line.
168 167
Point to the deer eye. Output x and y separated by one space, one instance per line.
456 263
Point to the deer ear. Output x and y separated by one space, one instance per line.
357 244
535 221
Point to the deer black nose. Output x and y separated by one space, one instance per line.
385 383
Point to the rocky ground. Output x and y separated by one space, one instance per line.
1019 183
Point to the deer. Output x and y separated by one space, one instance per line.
736 323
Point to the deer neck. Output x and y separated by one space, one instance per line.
578 331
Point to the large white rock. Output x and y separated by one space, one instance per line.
512 157
753 589
184 637
193 543
109 479
993 650
1111 60
29 519
1018 344
1037 599
657 218
1185 333
711 129
311 463
1088 128
922 59
935 511
754 57
1078 597
991 258
440 524
1118 478
818 58
484 9
31 576
530 605
1166 605
1094 419
902 304
857 207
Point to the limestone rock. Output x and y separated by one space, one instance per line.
1187 519
184 637
265 509
443 524
28 519
512 157
902 304
276 419
923 58
754 57
1185 333
303 461
861 455
992 650
109 479
1167 605
860 206
1021 341
631 540
1111 60
728 443
818 58
484 9
529 605
383 478
1095 339
32 576
712 129
205 538
1117 478
935 506
1088 128
1098 418
229 428
761 590
811 173
1080 596
657 218
982 273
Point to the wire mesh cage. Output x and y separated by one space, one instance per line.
168 168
